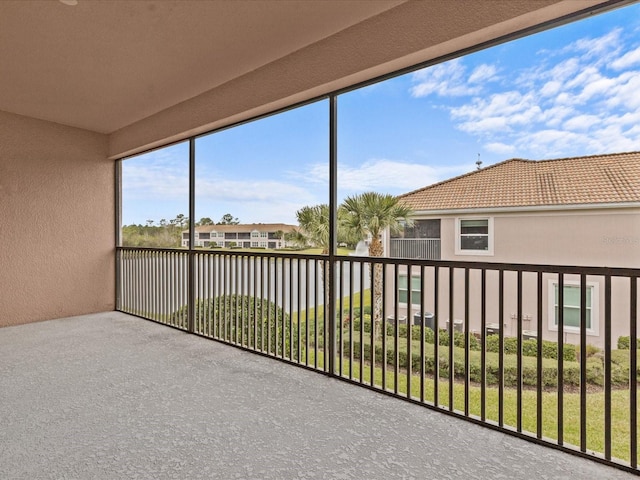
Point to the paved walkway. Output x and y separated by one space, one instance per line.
109 396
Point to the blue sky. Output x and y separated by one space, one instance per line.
570 91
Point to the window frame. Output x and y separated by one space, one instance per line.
490 237
594 308
415 294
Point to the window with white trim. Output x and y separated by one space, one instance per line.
403 292
474 236
571 307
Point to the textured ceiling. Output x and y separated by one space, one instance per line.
102 65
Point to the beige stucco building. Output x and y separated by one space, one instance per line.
571 212
250 235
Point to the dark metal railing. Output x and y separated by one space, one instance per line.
153 284
546 353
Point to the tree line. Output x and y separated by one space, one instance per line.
166 233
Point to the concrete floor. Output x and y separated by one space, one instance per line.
109 396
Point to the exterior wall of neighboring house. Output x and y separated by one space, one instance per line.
605 237
55 181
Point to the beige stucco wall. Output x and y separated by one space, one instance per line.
602 237
577 238
57 213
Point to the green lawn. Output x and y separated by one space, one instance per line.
257 251
620 414
571 406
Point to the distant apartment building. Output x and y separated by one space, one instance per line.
581 211
253 235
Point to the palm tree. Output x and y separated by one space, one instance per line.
314 226
279 234
297 238
370 214
314 230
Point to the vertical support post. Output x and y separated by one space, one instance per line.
333 228
607 367
118 230
191 280
519 356
633 379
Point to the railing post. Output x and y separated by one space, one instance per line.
118 232
191 271
333 232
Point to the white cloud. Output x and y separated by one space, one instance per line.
444 79
249 190
490 124
599 46
550 88
154 181
629 118
582 122
580 99
483 73
625 92
554 116
627 60
500 148
264 200
384 175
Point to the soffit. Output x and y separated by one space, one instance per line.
102 65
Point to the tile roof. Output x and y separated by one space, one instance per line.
595 179
246 227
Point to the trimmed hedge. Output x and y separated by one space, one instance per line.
570 352
530 348
571 369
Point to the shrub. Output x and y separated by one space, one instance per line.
591 351
415 333
443 337
429 336
624 343
530 348
244 319
402 330
356 311
459 339
356 324
366 324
